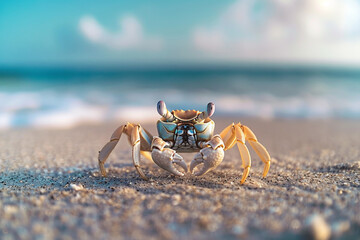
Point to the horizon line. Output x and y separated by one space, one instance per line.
203 68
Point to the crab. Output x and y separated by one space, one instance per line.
186 131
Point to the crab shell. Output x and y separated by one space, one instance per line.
185 116
204 129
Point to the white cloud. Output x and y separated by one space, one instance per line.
131 35
298 30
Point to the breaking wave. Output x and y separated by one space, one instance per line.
66 105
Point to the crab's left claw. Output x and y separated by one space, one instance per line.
166 157
210 156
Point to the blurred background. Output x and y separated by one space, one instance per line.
65 63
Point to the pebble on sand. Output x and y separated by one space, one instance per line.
318 227
76 187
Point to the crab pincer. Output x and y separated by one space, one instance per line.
167 157
210 156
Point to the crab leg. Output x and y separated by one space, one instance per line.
258 148
140 140
107 149
135 142
228 136
244 152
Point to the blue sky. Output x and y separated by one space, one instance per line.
115 32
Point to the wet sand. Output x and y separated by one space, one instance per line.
50 187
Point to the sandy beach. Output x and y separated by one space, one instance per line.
50 187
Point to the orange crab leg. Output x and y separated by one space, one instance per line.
244 152
237 134
258 148
228 136
232 135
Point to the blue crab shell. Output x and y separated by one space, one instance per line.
202 131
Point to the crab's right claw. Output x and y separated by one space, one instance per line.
166 157
210 156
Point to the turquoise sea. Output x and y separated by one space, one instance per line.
68 97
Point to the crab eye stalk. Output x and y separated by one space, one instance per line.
208 113
210 109
162 110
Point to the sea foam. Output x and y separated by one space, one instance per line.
64 103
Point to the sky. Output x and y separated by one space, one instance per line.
39 32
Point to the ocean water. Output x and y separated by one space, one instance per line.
63 99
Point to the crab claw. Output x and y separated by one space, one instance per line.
210 156
166 157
